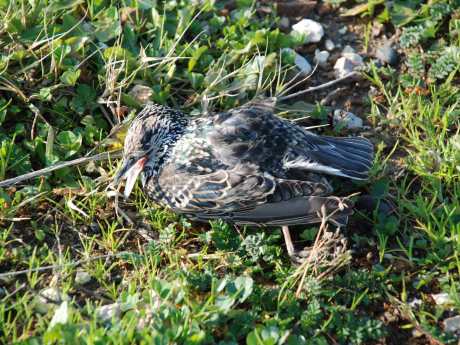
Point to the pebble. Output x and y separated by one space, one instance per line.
390 316
452 324
348 49
343 30
377 29
94 227
313 30
386 54
284 23
346 119
321 57
348 62
441 298
88 27
61 315
206 29
342 67
141 93
144 322
108 311
356 59
415 303
82 277
302 63
329 45
48 298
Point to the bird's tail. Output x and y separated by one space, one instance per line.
350 157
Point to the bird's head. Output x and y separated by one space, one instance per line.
148 143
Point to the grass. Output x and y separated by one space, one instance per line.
66 72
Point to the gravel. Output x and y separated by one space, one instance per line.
313 30
346 119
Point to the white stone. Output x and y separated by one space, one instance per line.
356 59
347 49
342 67
329 45
301 63
107 312
441 298
82 277
61 315
346 119
343 30
321 57
284 23
313 30
452 324
52 294
48 298
347 63
416 302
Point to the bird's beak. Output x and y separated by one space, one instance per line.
129 171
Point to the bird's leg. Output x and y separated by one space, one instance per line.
288 241
297 257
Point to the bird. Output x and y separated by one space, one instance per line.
245 166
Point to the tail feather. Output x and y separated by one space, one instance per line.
347 157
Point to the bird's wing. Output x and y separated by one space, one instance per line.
250 134
225 191
296 211
254 134
220 191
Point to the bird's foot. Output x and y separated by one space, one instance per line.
329 250
298 257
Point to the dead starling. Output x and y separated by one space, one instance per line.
244 166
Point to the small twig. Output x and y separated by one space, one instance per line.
122 214
322 228
9 86
326 100
106 115
37 114
52 267
95 294
19 288
297 83
301 119
319 87
41 172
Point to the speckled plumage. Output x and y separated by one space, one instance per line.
245 165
